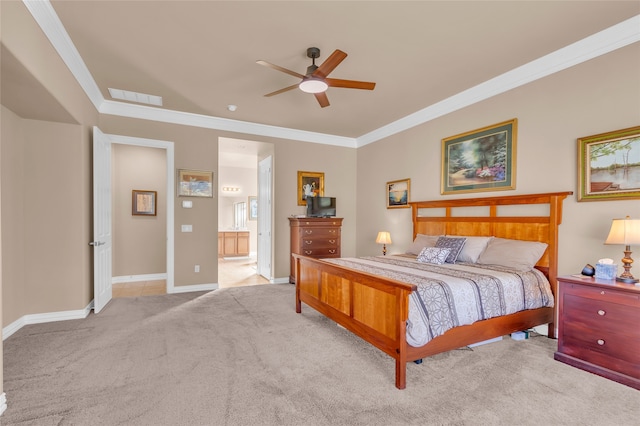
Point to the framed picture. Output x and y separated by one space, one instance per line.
310 184
480 160
609 166
398 192
195 183
143 203
253 208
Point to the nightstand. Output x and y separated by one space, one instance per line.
599 327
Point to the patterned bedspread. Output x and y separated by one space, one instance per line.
450 295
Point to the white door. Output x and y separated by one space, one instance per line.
101 243
265 177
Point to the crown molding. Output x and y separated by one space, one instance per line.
46 17
144 112
608 40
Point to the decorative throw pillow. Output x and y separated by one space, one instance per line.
472 249
433 255
516 254
421 242
454 244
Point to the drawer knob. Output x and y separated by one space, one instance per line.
332 251
308 242
602 292
308 251
332 241
601 312
600 342
308 231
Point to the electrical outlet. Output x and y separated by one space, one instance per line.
196 268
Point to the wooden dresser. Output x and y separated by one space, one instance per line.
599 328
314 237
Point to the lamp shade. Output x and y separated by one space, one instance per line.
383 237
624 231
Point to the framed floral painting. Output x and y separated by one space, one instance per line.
480 160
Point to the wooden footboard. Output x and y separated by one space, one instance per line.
373 307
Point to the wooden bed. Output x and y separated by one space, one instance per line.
376 308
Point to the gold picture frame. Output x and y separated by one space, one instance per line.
194 183
310 184
480 160
398 193
144 203
609 166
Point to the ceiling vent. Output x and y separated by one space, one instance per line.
141 98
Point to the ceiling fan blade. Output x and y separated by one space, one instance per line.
279 68
330 64
286 89
350 84
322 99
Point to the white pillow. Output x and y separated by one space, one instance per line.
435 255
472 249
421 242
516 254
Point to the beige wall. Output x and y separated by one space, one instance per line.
139 242
197 148
598 96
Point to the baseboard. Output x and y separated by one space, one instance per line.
42 318
136 278
190 288
280 280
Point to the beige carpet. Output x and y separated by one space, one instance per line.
242 356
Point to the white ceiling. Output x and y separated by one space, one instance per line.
200 56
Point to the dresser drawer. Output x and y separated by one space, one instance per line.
321 252
611 350
606 317
603 294
319 232
317 242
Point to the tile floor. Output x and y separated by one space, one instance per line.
231 273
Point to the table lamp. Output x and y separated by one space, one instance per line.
383 238
625 232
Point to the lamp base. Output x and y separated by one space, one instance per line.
627 280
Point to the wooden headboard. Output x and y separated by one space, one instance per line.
533 217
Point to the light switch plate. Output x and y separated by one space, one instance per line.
187 204
187 228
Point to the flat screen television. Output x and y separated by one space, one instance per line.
321 206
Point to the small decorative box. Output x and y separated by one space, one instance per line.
606 271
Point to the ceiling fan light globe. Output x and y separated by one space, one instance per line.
312 85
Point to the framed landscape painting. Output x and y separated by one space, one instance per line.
398 192
480 160
609 166
195 183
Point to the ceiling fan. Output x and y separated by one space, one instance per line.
315 81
